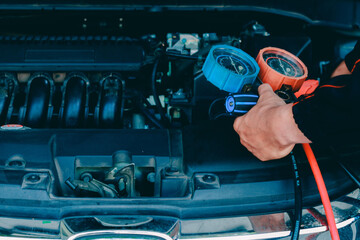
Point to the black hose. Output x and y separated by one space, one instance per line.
164 120
303 47
211 117
298 200
221 115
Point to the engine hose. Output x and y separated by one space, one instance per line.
186 57
308 42
298 199
8 86
216 101
160 109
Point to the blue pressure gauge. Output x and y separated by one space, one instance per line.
230 68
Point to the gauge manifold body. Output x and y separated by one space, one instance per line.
238 104
279 68
230 68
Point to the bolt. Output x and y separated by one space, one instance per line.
33 178
151 177
208 178
176 114
86 177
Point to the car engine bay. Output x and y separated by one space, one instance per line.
106 112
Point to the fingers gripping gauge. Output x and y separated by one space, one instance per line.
281 69
230 68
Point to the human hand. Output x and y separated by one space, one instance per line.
341 70
269 130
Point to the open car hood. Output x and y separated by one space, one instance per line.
343 14
107 121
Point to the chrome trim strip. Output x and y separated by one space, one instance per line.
255 236
25 238
277 234
129 232
324 228
247 237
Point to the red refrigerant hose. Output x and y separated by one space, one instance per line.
323 192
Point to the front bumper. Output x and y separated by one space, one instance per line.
273 226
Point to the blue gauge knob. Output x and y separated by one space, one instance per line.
239 104
230 68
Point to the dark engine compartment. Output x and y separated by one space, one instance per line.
109 70
115 114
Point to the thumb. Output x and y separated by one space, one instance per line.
237 124
265 88
265 92
268 97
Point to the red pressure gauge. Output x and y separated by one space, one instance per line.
279 68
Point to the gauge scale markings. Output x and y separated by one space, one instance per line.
233 61
283 64
233 64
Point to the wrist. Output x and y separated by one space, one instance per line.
287 131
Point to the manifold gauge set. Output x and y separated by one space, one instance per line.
233 70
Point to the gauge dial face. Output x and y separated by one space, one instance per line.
283 63
231 60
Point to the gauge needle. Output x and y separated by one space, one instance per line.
282 66
232 63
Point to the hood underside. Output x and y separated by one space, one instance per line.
342 14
